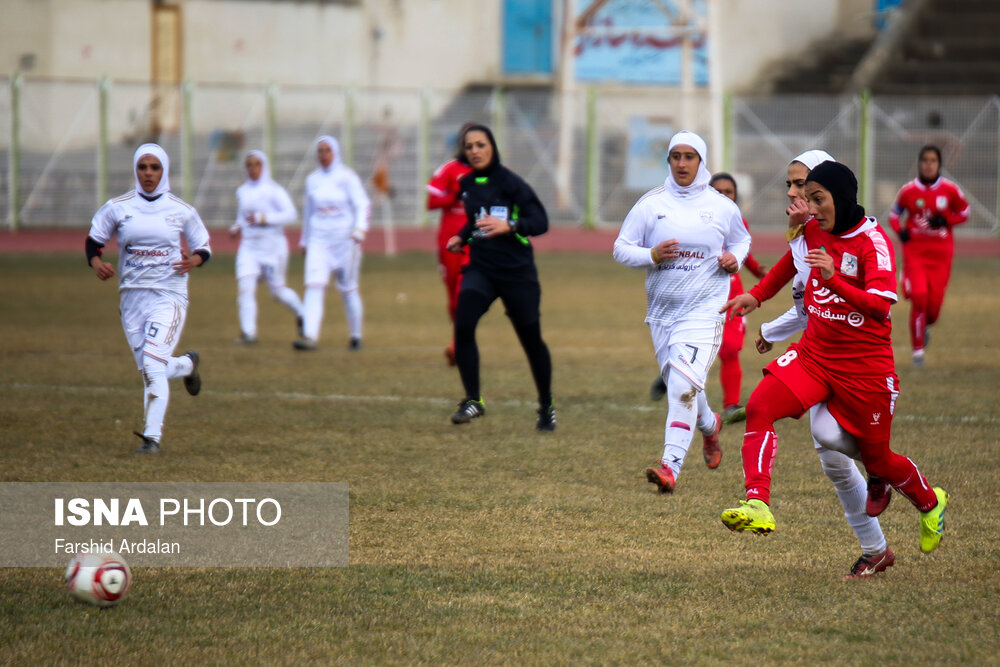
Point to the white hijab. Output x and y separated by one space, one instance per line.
703 176
813 158
156 151
265 171
335 147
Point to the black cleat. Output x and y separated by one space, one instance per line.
304 344
354 345
468 410
192 382
148 446
245 340
546 418
658 389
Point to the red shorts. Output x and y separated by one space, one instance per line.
864 409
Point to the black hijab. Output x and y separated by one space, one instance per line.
475 127
843 187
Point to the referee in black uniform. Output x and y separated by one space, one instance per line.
502 212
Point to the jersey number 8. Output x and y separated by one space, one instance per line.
787 358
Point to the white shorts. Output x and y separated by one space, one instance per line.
271 263
688 346
153 321
341 258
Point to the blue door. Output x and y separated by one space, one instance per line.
527 36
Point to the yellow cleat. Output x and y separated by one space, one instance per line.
932 522
753 516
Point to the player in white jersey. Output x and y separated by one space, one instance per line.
689 238
148 223
263 210
334 223
836 448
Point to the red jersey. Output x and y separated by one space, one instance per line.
849 332
444 192
921 202
735 284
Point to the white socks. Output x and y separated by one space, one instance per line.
156 395
246 301
287 296
682 416
852 490
354 311
312 316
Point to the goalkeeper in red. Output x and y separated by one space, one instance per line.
926 209
844 357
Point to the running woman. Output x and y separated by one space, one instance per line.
734 330
836 448
148 223
844 357
502 211
263 209
690 239
444 192
925 211
334 223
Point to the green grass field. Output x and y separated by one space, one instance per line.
491 543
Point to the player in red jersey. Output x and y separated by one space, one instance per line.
735 329
443 192
844 357
926 209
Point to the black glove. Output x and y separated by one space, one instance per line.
904 235
937 221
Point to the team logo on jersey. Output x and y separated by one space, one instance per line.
498 212
849 265
855 319
920 202
941 203
706 217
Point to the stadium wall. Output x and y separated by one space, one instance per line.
761 32
295 43
359 42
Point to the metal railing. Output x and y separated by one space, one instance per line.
66 145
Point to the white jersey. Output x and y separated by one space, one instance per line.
335 205
692 285
263 200
795 318
149 239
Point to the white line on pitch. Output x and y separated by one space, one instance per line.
302 396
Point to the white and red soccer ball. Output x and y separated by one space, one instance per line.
101 579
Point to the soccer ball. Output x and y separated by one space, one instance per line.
101 579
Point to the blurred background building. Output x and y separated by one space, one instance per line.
583 95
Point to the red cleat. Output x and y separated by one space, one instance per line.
879 495
871 565
710 445
663 477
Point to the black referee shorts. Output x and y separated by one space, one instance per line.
521 298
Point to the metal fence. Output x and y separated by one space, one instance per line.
879 138
66 146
